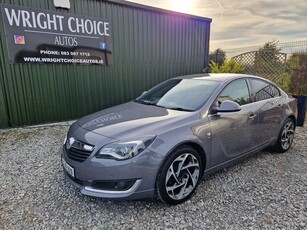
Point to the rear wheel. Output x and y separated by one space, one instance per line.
179 175
285 137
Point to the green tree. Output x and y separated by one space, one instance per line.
285 82
270 48
218 56
294 79
229 66
297 66
268 62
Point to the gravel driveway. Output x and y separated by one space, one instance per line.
265 191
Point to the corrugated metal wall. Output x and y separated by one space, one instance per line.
148 47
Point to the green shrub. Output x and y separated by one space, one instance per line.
285 82
229 66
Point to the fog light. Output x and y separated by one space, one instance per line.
120 185
113 185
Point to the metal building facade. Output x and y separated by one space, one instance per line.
149 45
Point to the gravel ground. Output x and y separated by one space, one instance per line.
265 191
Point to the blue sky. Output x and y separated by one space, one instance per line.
239 23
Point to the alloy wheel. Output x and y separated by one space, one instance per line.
287 135
182 176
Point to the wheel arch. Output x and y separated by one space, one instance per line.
195 146
201 152
293 118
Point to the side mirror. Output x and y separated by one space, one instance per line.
227 106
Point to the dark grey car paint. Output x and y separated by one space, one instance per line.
223 137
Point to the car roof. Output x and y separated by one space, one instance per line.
221 77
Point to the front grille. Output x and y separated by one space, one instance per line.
77 154
76 150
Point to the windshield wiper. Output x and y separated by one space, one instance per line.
178 108
145 102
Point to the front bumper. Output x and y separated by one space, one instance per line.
141 170
130 193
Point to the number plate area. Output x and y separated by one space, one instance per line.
70 170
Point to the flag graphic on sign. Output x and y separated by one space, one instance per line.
102 45
20 40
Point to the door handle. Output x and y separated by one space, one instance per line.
252 116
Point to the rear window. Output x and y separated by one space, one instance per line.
263 90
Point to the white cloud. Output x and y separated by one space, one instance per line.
239 23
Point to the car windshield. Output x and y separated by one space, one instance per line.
179 94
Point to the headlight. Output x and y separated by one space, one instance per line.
125 149
65 139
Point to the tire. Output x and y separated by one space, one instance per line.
179 175
285 137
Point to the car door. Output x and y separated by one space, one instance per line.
233 133
269 104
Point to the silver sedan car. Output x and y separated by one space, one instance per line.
163 142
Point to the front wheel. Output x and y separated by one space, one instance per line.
285 137
179 175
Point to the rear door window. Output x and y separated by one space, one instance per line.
263 90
